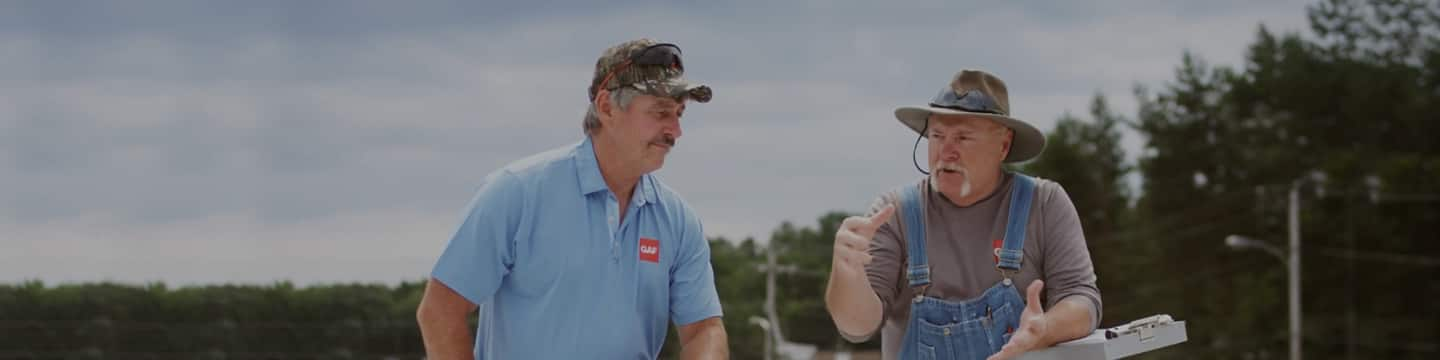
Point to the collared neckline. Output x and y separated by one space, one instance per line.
587 168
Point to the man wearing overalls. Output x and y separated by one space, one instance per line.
936 267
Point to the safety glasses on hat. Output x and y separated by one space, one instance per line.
971 101
667 55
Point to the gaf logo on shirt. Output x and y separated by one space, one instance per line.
649 250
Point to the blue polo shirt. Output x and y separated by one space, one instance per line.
556 273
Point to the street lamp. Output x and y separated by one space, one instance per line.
764 325
1239 242
775 337
1292 256
772 315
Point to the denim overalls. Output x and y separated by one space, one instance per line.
974 328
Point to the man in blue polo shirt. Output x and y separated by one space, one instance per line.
580 252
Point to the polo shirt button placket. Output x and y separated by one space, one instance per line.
614 248
612 227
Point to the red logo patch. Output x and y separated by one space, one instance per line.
649 250
997 244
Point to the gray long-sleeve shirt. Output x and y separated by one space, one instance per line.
960 243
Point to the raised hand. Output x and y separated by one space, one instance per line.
852 241
1033 326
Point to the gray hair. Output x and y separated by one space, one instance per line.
619 98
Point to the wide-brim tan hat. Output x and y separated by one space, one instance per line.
979 94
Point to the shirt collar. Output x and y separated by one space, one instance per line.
588 168
591 181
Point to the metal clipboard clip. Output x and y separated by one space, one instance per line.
1145 327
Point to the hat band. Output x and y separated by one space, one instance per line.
971 101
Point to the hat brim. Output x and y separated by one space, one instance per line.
1027 144
678 88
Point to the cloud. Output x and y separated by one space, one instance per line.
335 141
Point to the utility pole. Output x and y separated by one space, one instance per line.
776 334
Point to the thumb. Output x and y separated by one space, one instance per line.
1032 296
878 218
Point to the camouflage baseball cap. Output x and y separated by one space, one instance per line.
651 67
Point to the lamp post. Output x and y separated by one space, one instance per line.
775 335
772 315
764 325
1293 270
1290 257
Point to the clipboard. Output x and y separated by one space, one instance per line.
1139 336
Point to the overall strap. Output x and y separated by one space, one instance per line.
1012 250
913 214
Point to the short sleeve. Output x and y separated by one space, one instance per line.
692 280
482 250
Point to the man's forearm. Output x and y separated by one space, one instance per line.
446 337
1069 320
853 304
708 343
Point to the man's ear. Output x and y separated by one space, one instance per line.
1005 142
603 107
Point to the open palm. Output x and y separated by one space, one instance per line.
1033 326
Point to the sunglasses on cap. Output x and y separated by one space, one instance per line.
667 55
971 101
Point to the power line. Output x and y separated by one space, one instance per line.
1416 260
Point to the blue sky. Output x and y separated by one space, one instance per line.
321 141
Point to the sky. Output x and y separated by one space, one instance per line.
196 142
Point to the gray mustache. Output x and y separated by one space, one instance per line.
664 140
